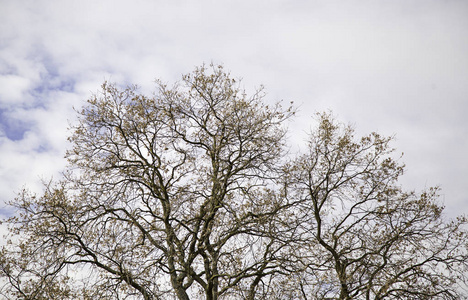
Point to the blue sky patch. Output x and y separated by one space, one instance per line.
11 127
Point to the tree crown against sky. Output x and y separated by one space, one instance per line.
192 194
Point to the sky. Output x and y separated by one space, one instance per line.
396 67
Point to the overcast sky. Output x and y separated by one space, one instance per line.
396 67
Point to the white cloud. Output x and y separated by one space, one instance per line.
399 67
14 88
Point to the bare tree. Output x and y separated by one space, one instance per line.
369 239
166 196
190 194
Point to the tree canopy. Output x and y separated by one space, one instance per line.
194 193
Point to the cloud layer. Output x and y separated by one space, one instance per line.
398 67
